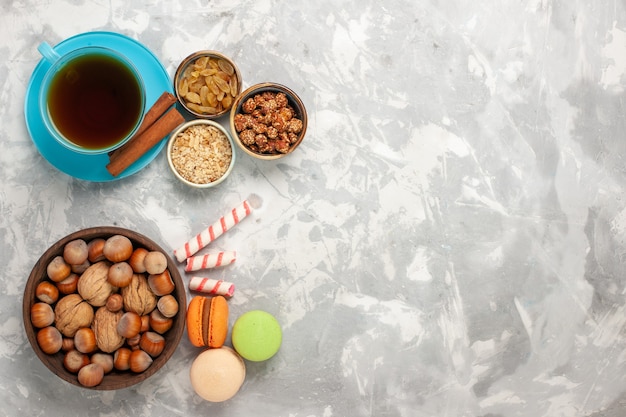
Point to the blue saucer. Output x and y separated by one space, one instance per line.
93 167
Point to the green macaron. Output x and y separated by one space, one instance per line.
256 335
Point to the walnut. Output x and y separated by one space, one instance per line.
282 100
294 126
247 137
104 327
268 115
281 146
71 313
93 285
138 297
259 128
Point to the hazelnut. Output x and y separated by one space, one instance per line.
133 342
155 262
58 269
159 323
138 297
91 375
50 340
139 361
93 284
71 313
152 343
161 284
75 252
79 269
115 302
105 328
121 359
95 250
104 359
68 344
120 274
168 306
68 285
47 292
85 340
129 324
145 323
117 248
136 260
41 315
74 360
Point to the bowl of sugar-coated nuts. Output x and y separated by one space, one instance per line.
104 308
206 84
268 121
200 153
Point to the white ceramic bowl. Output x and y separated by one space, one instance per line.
188 177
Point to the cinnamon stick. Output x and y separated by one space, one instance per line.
159 107
145 141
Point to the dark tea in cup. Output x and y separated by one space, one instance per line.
92 100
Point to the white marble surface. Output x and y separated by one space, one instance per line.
449 240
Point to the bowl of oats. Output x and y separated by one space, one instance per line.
200 153
206 84
268 121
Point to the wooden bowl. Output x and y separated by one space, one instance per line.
293 101
115 379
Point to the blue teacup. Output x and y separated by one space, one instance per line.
92 99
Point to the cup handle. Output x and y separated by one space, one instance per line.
48 53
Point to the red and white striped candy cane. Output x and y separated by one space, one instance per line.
212 286
210 260
214 231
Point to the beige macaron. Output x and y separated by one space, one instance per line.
217 374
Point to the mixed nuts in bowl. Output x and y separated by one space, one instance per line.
104 308
268 121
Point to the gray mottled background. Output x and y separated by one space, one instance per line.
449 240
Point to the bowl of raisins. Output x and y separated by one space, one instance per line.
206 84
